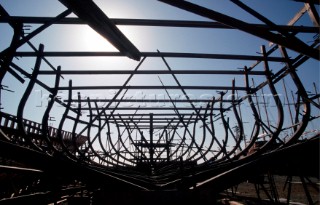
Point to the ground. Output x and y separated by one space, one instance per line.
245 193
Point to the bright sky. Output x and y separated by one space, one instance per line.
148 39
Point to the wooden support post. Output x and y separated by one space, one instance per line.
151 148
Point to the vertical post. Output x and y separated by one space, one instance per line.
151 150
287 98
273 188
305 188
167 146
289 181
240 115
76 121
265 107
316 92
297 110
257 101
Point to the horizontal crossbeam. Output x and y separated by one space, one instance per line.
153 100
151 72
144 108
152 22
146 54
142 87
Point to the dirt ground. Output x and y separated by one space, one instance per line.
246 194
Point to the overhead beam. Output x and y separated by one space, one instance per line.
146 54
35 32
156 121
148 128
89 12
155 127
147 119
154 114
152 87
287 42
152 100
144 108
151 72
152 22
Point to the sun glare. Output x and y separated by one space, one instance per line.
93 41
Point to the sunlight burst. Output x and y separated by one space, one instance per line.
94 41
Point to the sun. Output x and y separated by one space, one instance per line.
93 41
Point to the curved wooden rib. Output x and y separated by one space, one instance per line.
45 130
24 100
